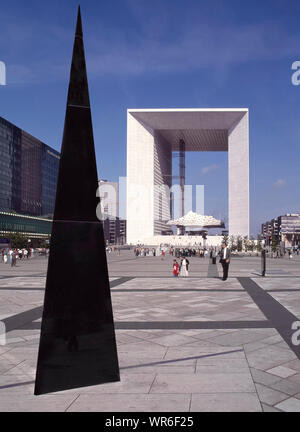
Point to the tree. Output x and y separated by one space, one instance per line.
246 243
225 238
251 245
233 245
259 243
18 241
274 243
44 243
239 243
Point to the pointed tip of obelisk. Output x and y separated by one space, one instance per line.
78 87
79 23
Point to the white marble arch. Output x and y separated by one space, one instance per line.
152 135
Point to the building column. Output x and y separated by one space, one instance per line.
140 180
238 177
182 172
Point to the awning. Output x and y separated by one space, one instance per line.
192 219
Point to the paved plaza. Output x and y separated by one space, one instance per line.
194 344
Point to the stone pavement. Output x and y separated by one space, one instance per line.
194 344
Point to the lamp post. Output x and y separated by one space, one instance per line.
263 259
29 248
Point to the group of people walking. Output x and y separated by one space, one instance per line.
182 268
11 255
142 251
190 252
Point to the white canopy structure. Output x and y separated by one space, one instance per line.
192 219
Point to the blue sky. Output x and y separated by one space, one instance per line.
165 54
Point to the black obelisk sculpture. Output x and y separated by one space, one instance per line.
77 343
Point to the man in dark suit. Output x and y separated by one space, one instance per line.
225 260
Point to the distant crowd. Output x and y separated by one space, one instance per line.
176 252
281 254
10 256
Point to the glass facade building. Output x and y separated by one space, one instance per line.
10 167
50 164
28 172
31 227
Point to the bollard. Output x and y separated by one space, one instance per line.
2 333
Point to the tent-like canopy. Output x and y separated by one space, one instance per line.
192 219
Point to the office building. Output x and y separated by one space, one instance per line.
114 227
28 172
285 228
152 136
33 228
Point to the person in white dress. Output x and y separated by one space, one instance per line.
183 270
10 256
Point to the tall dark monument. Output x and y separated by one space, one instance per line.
77 343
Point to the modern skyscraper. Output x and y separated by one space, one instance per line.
114 227
28 172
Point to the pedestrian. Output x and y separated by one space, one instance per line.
225 260
183 272
187 266
10 256
214 256
14 258
175 268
